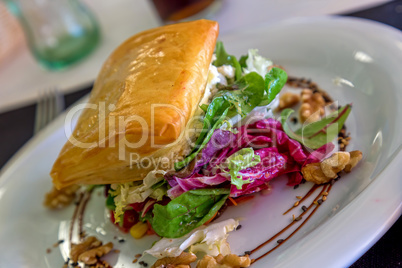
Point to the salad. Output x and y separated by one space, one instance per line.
247 133
247 136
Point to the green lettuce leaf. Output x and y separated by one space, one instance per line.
204 107
243 159
240 97
244 95
159 184
201 142
223 58
147 217
110 202
187 212
275 79
243 60
316 134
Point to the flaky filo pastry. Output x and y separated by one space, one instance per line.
141 103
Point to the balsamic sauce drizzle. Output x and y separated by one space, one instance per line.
78 215
72 223
307 195
81 215
300 83
325 188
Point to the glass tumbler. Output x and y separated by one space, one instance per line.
58 32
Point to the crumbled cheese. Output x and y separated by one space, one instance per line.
227 71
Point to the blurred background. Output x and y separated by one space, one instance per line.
59 46
23 74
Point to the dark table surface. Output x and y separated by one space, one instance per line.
16 128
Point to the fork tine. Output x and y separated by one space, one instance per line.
59 102
39 113
45 112
50 104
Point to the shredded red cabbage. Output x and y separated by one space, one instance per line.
279 155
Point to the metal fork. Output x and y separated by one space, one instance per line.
50 104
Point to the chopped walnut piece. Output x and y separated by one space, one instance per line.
89 252
312 172
181 261
56 199
228 261
207 262
287 100
329 168
100 264
332 165
91 256
233 260
312 107
355 157
89 243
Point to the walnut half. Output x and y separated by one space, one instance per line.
312 107
91 256
355 157
329 168
287 100
228 261
89 251
182 261
312 172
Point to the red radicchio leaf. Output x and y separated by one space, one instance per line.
279 155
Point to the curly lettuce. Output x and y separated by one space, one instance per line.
135 192
243 159
209 239
256 63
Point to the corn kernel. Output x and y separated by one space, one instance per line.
138 230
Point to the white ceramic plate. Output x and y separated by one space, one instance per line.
359 209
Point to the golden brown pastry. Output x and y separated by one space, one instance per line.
145 94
